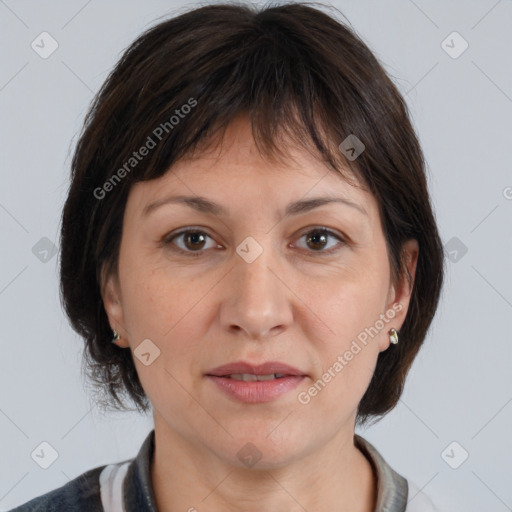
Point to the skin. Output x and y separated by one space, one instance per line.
294 303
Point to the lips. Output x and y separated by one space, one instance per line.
255 383
240 369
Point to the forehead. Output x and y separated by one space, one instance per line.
233 171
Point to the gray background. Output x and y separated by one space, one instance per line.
459 388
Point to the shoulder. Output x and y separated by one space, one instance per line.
80 494
417 501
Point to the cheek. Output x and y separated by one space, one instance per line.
152 299
143 306
351 301
347 369
350 307
167 311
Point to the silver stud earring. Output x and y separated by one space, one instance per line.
393 336
116 337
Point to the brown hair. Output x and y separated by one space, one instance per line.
293 70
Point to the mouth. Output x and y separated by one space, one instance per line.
248 383
248 372
250 377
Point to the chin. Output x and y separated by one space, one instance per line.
259 450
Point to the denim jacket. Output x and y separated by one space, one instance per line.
126 487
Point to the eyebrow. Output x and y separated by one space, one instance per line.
204 205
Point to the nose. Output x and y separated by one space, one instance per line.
258 303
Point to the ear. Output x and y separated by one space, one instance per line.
399 295
110 293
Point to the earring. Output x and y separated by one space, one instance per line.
393 336
116 337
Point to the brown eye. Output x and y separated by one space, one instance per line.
193 242
318 239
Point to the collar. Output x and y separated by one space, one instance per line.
392 488
137 486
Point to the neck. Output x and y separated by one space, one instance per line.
188 477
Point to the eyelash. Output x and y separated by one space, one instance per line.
168 239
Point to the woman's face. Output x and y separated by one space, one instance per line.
253 284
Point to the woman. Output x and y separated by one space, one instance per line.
249 223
